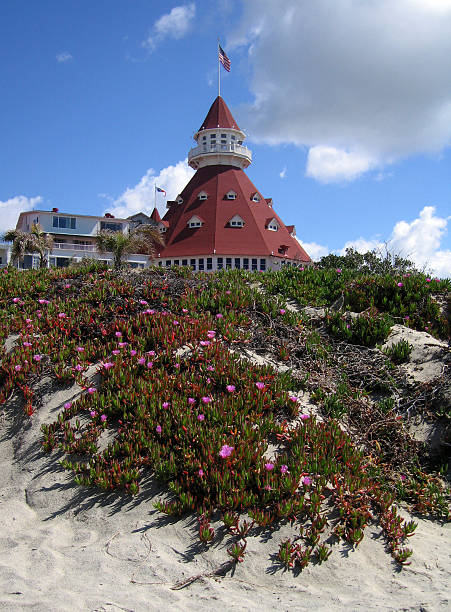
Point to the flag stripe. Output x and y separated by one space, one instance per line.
224 59
160 190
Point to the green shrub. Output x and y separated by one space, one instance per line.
399 352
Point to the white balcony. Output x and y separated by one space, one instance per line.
235 154
66 246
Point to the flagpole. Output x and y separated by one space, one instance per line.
155 195
219 73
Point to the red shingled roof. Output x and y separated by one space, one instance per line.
219 116
155 215
216 234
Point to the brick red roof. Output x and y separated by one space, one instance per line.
219 116
251 239
155 216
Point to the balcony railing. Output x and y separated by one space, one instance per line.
220 148
66 246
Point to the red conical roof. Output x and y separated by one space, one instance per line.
219 115
216 235
155 215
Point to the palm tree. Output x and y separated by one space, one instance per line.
143 239
35 241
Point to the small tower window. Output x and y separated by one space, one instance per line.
203 196
236 221
255 198
179 200
195 222
230 195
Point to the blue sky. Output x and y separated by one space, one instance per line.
347 107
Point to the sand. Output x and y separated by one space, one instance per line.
64 547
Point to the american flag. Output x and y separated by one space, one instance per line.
223 58
160 190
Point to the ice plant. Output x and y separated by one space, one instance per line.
91 390
231 388
158 429
260 385
200 417
226 451
269 467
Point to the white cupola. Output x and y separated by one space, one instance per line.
219 140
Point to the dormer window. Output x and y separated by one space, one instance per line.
236 221
179 200
272 225
255 197
203 195
230 195
195 222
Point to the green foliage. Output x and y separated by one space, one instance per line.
399 352
371 262
366 330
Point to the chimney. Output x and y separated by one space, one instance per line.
55 210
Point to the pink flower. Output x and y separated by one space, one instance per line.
226 451
428 280
211 335
143 302
204 343
27 343
18 368
133 352
67 405
200 417
268 487
400 285
338 270
206 399
282 311
108 365
149 365
175 322
403 477
426 328
142 360
304 416
28 320
284 469
269 466
41 301
103 418
176 366
80 349
219 316
210 368
165 404
231 388
407 317
228 292
118 334
93 413
191 400
16 300
62 315
116 352
78 367
185 310
67 286
201 472
158 429
37 357
122 344
92 390
151 353
260 385
307 480
293 399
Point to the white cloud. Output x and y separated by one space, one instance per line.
141 197
328 164
63 57
419 240
11 209
362 77
174 24
283 173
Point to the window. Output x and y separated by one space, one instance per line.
111 226
184 262
231 195
203 195
192 264
245 263
220 263
237 223
162 229
179 200
262 264
204 138
237 263
160 263
195 224
209 263
228 263
64 222
201 264
254 264
273 226
255 198
232 137
176 262
168 263
223 135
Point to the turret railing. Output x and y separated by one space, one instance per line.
235 149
